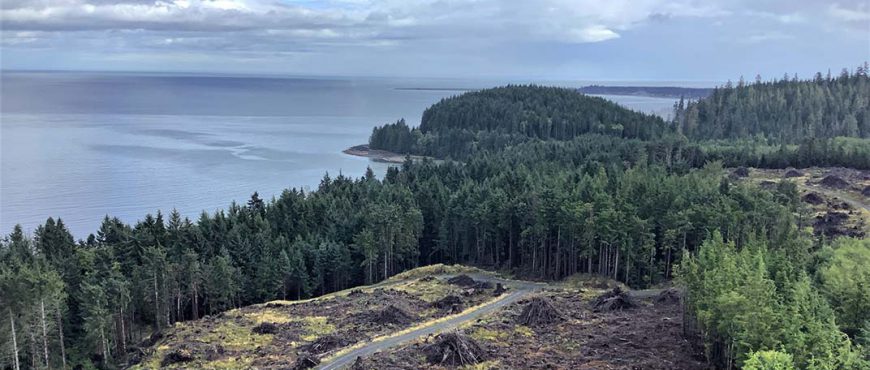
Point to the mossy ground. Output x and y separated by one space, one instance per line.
234 336
436 269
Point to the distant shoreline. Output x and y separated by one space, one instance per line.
671 92
462 89
668 92
376 155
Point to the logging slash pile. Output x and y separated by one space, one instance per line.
613 300
454 349
538 312
462 280
670 295
324 344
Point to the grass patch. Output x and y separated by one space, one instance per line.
153 360
524 331
227 363
493 336
235 337
429 291
486 365
267 315
316 327
436 269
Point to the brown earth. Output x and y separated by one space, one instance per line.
648 336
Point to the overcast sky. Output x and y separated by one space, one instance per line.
710 40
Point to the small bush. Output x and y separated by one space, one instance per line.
769 360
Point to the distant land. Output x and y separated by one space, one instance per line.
463 89
650 91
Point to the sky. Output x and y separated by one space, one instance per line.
677 40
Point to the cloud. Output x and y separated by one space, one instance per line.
592 34
859 13
176 15
573 21
393 34
766 37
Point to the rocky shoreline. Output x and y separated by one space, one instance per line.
376 155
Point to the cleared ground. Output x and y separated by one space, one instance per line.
836 201
393 324
647 336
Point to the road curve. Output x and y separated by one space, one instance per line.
518 290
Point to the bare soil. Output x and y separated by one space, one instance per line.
648 336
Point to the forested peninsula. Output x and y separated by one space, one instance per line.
538 182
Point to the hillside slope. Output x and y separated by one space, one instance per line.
391 324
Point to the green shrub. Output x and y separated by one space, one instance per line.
769 360
845 280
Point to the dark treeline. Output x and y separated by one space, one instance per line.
832 152
787 110
629 204
395 137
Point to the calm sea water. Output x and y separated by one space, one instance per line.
80 146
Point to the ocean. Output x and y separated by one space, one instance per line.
81 145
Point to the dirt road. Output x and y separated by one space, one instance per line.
517 290
846 197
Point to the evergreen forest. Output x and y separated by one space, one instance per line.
540 182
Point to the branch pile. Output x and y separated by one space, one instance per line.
670 295
177 356
791 172
306 361
462 280
265 328
499 290
391 314
324 344
538 312
834 181
454 349
613 300
451 302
